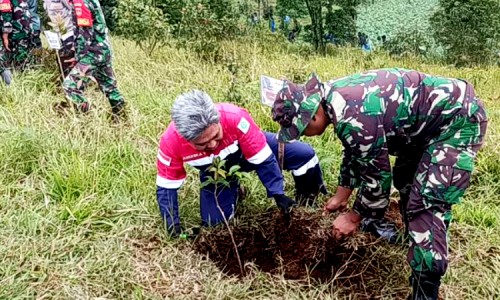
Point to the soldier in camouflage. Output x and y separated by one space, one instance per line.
4 71
93 58
433 125
17 32
36 42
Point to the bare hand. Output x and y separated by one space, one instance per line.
6 41
335 203
346 225
71 60
339 201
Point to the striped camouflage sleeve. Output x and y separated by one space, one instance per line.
6 18
348 175
366 164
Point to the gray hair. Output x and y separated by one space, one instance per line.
192 113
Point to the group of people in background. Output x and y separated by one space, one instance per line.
290 27
85 52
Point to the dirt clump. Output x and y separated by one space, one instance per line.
299 247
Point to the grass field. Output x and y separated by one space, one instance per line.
78 212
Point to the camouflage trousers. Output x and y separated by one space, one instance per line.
102 74
67 52
20 54
3 59
433 178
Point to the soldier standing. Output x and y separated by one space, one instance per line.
93 58
433 125
16 32
4 71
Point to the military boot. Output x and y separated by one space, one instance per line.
118 112
7 76
425 286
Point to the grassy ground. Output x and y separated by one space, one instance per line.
78 212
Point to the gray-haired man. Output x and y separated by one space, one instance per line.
201 131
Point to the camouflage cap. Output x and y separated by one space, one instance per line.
295 106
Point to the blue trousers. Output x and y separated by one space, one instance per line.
299 158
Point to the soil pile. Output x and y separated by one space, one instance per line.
299 247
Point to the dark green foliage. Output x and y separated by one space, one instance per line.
172 10
315 8
142 23
109 8
413 43
340 21
292 8
44 19
468 30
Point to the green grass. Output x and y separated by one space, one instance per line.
78 212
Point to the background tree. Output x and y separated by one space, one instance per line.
315 9
468 30
109 8
292 8
143 23
340 20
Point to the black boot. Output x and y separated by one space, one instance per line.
308 187
382 228
6 76
404 197
425 286
118 112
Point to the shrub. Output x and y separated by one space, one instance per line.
142 23
468 30
404 43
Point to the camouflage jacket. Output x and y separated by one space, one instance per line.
91 42
61 16
35 18
17 19
60 13
388 112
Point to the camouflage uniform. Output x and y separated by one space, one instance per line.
60 13
93 56
434 125
3 51
5 74
36 24
16 21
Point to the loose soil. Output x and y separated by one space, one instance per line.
302 248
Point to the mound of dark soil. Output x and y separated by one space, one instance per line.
302 248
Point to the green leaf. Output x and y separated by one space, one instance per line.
234 169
